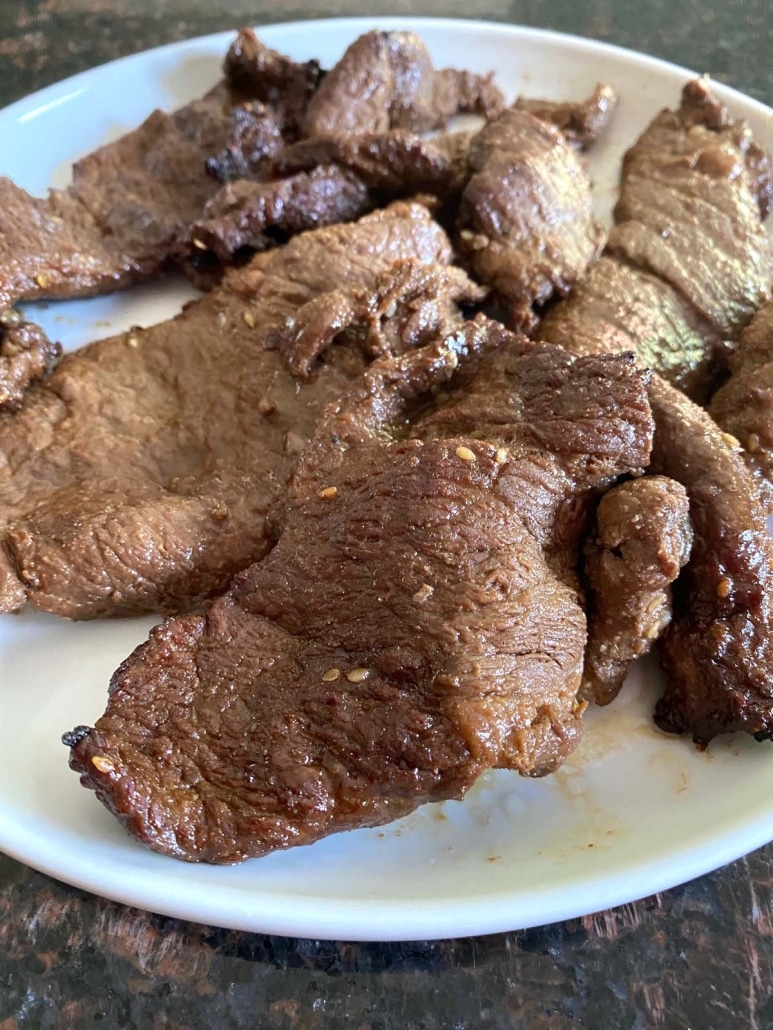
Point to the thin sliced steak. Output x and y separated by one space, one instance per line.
582 122
397 162
743 406
525 224
641 539
385 80
131 202
718 650
688 241
408 631
140 475
256 215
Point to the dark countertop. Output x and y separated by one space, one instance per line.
700 956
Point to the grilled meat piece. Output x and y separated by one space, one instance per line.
718 650
525 224
128 211
396 162
416 624
140 475
698 179
641 539
617 308
743 406
26 355
412 305
256 72
386 80
255 134
581 122
688 240
257 215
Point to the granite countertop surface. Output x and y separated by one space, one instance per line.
699 956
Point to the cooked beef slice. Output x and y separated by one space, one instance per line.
256 215
525 223
689 210
411 305
408 631
396 162
743 406
617 308
688 240
254 136
26 355
386 80
132 201
582 122
139 476
639 542
255 71
53 248
718 650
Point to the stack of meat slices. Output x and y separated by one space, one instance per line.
431 541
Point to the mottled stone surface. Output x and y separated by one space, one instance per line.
700 956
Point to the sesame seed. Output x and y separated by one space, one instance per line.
724 587
200 244
104 765
41 281
730 440
423 593
501 456
329 491
10 318
391 310
465 454
357 675
132 341
249 319
331 675
222 318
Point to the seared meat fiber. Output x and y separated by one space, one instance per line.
256 71
743 407
688 242
718 650
140 475
26 355
256 214
581 122
526 220
394 162
131 202
641 539
416 624
411 306
386 80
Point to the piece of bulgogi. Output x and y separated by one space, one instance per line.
139 476
417 622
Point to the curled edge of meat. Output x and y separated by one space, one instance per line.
26 356
640 540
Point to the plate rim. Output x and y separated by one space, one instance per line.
394 919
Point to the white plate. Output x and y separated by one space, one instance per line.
632 812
